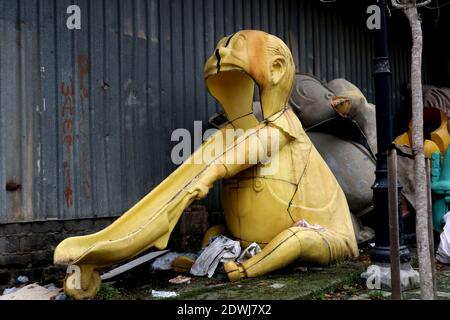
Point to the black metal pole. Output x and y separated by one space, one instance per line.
384 117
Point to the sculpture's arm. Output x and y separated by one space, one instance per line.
357 109
254 147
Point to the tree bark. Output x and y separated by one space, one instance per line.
423 244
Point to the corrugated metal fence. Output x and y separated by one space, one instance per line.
86 115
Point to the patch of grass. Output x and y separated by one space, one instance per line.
351 290
320 296
347 286
107 292
376 295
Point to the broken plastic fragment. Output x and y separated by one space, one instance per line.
180 280
163 294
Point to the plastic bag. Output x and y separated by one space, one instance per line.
443 251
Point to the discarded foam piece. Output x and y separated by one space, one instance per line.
32 292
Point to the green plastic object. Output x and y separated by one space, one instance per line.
440 188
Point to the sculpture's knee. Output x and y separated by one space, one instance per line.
313 246
212 232
285 248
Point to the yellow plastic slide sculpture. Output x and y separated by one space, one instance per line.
278 193
439 138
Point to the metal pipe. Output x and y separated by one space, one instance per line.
384 119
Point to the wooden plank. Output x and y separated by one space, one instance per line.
394 225
132 264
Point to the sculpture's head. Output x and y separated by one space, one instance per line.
243 59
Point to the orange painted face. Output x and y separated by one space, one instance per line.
243 51
243 59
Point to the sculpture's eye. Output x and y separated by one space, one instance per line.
221 43
239 43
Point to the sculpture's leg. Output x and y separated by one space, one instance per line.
362 114
214 231
82 283
306 244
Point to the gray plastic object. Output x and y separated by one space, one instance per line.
311 101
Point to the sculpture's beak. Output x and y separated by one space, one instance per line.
230 84
221 62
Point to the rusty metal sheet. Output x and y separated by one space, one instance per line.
86 115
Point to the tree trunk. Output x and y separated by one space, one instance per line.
423 244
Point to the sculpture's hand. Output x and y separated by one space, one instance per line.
206 180
200 189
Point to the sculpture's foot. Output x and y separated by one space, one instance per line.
234 271
214 231
182 264
82 283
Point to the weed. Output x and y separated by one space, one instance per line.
107 292
376 295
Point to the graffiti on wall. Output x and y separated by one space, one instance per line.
75 129
68 111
